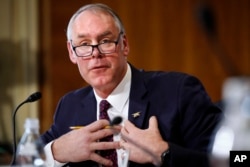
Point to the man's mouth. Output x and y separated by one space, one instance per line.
99 67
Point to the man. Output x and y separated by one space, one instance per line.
168 117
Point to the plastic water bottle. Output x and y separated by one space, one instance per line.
30 148
234 132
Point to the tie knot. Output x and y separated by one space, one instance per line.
104 106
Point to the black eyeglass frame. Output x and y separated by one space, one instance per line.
97 46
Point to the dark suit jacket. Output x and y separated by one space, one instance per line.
186 116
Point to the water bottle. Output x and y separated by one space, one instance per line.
30 148
234 132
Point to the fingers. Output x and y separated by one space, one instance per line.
127 127
99 159
122 144
153 123
87 139
97 125
98 130
102 133
105 145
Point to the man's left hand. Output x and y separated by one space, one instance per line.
145 146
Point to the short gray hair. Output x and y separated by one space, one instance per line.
95 7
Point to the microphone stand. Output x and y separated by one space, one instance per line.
33 97
207 20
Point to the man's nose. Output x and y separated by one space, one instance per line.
96 52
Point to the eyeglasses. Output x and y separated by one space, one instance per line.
105 47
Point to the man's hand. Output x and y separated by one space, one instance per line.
82 144
145 146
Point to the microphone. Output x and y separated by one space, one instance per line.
116 121
206 19
33 97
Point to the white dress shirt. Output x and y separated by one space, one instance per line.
119 101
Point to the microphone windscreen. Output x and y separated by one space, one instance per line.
207 19
34 97
116 121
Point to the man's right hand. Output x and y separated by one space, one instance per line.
82 144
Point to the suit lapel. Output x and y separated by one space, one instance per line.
88 109
138 102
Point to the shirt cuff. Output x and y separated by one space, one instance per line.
50 161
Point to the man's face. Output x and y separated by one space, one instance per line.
102 71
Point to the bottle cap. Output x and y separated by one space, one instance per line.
32 123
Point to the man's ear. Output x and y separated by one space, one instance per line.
72 56
125 45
